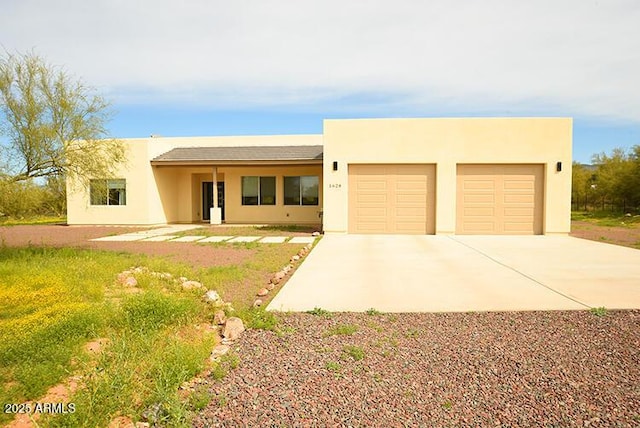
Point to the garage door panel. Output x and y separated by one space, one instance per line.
479 211
372 198
499 199
412 186
372 186
519 185
416 212
521 228
372 211
479 198
412 199
479 185
520 212
482 226
511 198
405 192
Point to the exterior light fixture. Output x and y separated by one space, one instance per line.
558 166
335 165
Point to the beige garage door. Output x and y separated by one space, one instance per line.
392 199
500 199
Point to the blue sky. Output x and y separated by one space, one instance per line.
208 67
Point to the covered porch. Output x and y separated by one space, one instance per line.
240 185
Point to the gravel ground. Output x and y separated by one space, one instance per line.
456 369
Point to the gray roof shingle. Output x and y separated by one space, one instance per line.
251 153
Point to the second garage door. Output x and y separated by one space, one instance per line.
500 199
392 199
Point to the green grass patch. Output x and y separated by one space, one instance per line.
333 366
10 221
354 352
342 329
319 312
48 313
257 318
373 312
599 312
53 301
607 218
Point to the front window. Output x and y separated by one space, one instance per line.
258 190
108 192
301 190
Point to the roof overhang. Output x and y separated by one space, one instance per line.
240 156
167 163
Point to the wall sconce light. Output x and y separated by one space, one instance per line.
558 166
335 165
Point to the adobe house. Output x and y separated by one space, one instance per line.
403 176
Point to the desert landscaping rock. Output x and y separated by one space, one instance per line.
262 292
295 258
518 369
212 296
219 317
257 303
130 282
192 285
219 351
233 328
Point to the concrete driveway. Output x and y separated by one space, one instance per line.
418 273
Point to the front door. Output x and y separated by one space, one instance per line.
207 198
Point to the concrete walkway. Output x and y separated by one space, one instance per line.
168 234
462 273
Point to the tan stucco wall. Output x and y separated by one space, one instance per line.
136 210
446 143
166 195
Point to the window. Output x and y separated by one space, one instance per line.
108 192
258 190
301 190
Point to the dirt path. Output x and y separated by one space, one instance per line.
79 236
628 237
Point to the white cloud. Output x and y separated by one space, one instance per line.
578 57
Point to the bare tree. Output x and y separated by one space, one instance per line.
52 125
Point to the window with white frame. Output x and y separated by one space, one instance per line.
108 192
302 190
258 190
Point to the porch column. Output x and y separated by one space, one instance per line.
215 213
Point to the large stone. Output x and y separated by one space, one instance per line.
275 280
263 292
219 317
131 282
211 297
219 351
295 258
191 285
257 303
122 276
154 414
280 275
233 328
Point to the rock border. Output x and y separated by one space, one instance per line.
281 275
